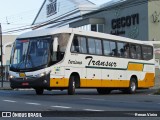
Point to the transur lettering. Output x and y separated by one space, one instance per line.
100 63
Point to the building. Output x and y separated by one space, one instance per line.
137 19
59 13
7 41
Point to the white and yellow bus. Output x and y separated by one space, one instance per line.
70 58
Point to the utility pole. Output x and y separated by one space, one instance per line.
1 58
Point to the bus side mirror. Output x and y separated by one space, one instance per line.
55 44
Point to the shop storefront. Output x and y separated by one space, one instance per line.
137 19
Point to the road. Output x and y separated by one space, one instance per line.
84 100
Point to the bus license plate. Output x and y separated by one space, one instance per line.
25 84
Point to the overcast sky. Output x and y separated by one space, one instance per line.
16 13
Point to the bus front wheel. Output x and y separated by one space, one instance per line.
39 91
71 87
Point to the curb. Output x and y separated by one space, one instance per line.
5 88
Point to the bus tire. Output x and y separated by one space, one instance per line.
132 86
39 91
103 91
71 87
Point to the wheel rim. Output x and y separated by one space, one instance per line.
73 84
133 86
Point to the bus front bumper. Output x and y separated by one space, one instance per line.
35 82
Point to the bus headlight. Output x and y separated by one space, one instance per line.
11 76
42 74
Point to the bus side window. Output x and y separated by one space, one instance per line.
75 45
79 45
136 51
106 47
150 53
91 46
83 45
126 51
120 49
98 44
113 49
133 51
147 52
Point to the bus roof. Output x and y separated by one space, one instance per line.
51 31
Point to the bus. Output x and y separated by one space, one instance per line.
66 59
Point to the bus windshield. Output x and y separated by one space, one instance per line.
30 53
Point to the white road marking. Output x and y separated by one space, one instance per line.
61 107
33 103
92 110
93 99
9 101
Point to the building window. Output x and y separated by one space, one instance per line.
100 28
96 28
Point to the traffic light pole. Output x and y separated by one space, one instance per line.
1 59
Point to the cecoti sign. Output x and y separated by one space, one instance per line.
126 21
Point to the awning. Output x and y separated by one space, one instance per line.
87 21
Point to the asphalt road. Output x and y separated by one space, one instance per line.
84 100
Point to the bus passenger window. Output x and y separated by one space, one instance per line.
126 50
147 52
136 52
91 46
120 49
109 48
75 45
133 51
113 49
106 47
83 44
79 45
98 47
150 53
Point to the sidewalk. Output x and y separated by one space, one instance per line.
6 85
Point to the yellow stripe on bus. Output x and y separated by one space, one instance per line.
135 67
147 82
104 83
59 82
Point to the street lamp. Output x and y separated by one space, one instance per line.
1 54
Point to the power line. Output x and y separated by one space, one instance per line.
52 21
40 25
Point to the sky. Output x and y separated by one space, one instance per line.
18 13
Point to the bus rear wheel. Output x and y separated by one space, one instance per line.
103 91
39 91
132 86
71 87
